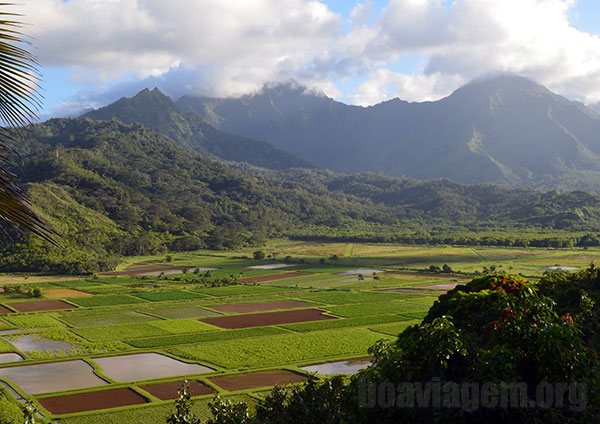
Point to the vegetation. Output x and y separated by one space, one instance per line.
113 189
496 329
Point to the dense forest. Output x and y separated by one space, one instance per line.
114 189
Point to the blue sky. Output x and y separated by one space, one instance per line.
358 52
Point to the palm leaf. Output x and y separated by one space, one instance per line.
19 105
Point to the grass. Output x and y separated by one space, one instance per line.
181 312
151 414
34 321
410 306
211 336
342 297
119 332
182 326
239 290
281 349
106 300
168 295
395 328
343 323
6 346
94 318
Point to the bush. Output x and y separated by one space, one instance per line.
10 413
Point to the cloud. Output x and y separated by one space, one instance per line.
468 38
225 48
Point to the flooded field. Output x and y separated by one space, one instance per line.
147 366
6 358
351 366
31 342
53 377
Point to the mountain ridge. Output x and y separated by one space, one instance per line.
504 129
158 112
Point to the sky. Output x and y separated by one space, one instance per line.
93 52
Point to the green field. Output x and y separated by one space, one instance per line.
164 314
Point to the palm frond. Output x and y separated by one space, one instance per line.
19 106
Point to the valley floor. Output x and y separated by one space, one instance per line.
115 348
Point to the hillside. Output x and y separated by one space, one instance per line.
157 111
487 131
139 193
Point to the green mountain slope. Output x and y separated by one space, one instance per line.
158 112
505 129
115 189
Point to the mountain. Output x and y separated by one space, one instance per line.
158 112
505 129
114 189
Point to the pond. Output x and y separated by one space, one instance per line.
6 358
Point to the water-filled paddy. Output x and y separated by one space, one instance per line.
31 342
53 377
6 358
147 366
270 266
351 366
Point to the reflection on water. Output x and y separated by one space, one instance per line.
53 377
146 366
32 342
341 367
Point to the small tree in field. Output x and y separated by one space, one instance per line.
228 412
259 254
183 408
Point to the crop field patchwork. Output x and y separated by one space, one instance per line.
223 337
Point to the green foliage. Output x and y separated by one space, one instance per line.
228 412
282 348
10 413
314 402
168 295
183 409
208 336
106 300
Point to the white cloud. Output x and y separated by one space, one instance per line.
233 47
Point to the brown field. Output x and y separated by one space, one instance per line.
257 379
270 318
10 279
4 310
147 269
102 399
41 305
448 286
271 277
170 390
259 306
64 293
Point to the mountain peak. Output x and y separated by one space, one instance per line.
287 88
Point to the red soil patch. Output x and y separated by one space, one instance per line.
257 379
271 277
44 305
259 306
169 391
271 318
101 399
4 310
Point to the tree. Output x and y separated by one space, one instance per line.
259 254
183 408
19 104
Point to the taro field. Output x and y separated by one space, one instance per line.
115 347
